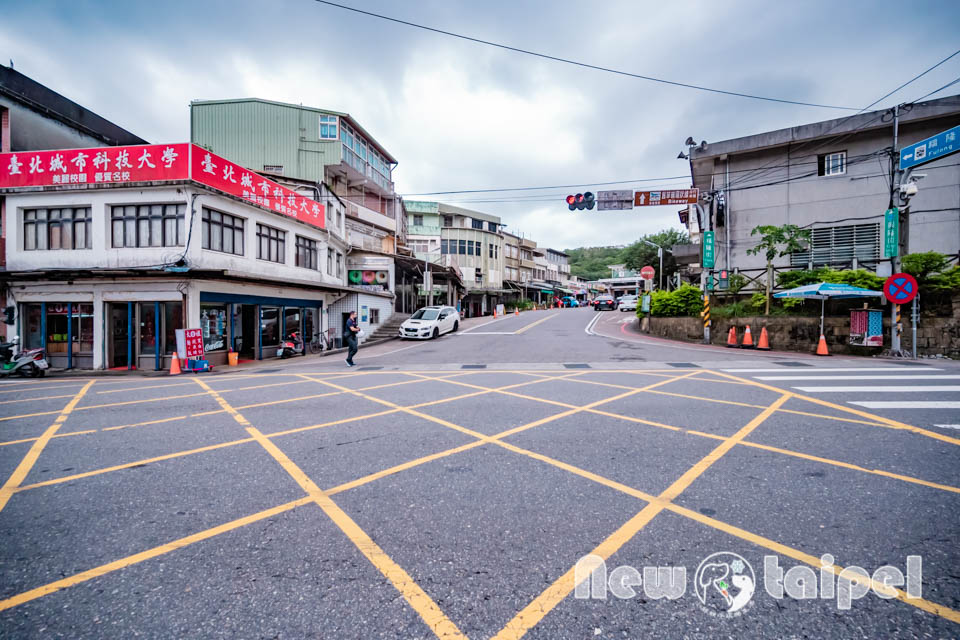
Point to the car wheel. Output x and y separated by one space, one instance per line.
436 333
456 325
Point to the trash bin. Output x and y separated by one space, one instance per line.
232 357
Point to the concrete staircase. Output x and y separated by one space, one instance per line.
388 329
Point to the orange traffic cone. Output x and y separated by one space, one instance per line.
822 347
494 312
732 338
747 339
517 312
175 365
763 344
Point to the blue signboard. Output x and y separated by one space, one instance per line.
940 145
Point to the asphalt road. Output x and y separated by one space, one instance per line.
453 488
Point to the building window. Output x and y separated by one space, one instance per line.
273 168
222 232
448 221
306 253
148 225
374 316
339 265
477 224
463 248
418 220
329 261
478 275
443 247
490 246
492 226
832 164
214 327
470 247
840 245
328 127
57 229
478 250
271 244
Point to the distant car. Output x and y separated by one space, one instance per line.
604 302
430 322
627 303
570 302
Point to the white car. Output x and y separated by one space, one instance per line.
628 303
430 322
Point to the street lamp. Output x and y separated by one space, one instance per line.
660 251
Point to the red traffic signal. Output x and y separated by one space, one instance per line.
581 201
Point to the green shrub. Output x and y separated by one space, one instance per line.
791 303
758 301
684 301
736 282
922 265
854 277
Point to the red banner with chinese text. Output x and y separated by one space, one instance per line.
154 163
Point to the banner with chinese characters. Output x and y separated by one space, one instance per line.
218 172
154 163
141 163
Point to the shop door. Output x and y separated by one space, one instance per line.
246 342
119 334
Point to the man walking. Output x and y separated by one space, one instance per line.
350 336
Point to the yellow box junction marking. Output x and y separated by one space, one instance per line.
20 473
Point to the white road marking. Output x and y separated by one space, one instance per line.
830 369
880 389
589 328
948 426
920 377
906 404
493 333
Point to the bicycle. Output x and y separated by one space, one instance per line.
320 343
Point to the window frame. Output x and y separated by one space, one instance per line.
132 218
36 227
476 223
227 221
276 243
826 167
307 250
328 121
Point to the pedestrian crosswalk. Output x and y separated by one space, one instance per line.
920 395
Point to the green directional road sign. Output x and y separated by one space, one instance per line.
708 250
891 233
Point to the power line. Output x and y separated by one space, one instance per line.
582 64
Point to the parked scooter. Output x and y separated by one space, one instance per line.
292 346
32 362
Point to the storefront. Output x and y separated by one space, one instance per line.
254 325
63 329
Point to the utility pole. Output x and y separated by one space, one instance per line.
895 326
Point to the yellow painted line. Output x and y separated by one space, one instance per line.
51 386
19 400
18 475
416 597
863 414
55 436
533 613
136 558
533 324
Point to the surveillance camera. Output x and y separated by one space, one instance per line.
908 190
917 176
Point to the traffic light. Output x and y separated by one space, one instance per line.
581 201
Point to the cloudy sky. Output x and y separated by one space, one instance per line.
464 116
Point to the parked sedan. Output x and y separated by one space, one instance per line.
430 322
627 303
570 302
604 302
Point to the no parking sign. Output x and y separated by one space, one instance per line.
900 288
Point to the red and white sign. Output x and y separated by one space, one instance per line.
647 273
218 172
101 165
655 198
190 344
154 163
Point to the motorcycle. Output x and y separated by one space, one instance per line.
292 346
32 362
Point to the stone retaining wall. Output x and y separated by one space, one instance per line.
789 333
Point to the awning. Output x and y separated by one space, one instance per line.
546 290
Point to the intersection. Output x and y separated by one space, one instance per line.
448 489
